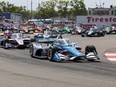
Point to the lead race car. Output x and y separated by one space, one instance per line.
57 49
15 40
64 49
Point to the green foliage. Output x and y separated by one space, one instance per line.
114 6
7 7
47 9
78 7
61 8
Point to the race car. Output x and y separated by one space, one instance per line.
92 32
15 40
32 26
58 49
64 49
40 44
76 30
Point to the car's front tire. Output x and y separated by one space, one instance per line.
31 49
50 53
5 44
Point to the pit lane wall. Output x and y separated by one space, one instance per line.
99 21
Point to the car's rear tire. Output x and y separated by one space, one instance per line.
90 48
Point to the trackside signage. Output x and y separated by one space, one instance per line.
98 20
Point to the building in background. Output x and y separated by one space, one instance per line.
101 11
99 17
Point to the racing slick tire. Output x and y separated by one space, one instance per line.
5 42
31 49
82 35
90 48
103 34
98 35
51 52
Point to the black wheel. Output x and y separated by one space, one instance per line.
31 49
97 35
82 35
103 34
50 54
90 48
5 44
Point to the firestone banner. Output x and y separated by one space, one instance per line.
99 21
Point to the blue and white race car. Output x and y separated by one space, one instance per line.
58 49
64 49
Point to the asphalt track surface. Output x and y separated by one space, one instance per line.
18 69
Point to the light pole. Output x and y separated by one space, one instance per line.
31 8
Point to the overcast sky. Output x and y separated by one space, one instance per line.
88 3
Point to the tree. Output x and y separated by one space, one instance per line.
47 9
114 6
62 7
78 7
2 6
7 7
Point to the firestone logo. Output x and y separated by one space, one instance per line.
110 19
